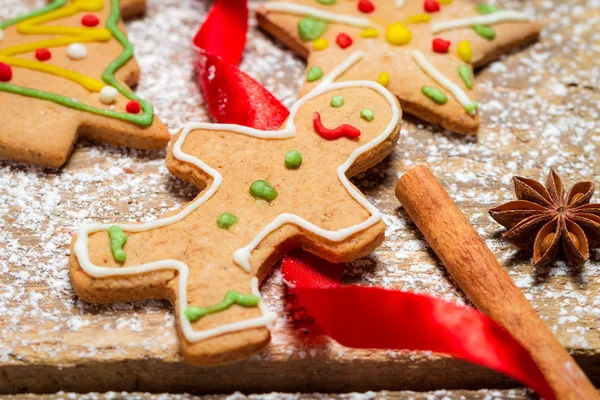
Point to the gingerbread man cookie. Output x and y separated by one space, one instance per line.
266 192
422 51
66 71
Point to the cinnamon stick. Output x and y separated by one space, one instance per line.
477 272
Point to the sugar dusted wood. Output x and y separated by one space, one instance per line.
477 272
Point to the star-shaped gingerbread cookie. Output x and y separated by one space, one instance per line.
65 72
266 193
422 51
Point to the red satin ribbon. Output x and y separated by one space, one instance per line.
355 316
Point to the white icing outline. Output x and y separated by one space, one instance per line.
490 19
81 244
299 9
399 3
440 78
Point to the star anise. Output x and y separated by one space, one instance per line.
545 220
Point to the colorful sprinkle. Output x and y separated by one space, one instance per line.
108 95
293 159
343 40
344 130
472 107
193 313
369 33
431 6
419 18
310 28
383 79
464 51
366 6
77 51
226 220
133 107
397 34
314 74
465 73
367 114
434 94
5 72
486 32
337 101
440 45
89 20
263 190
43 54
485 9
320 44
118 238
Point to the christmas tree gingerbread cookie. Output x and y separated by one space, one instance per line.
422 51
66 71
265 193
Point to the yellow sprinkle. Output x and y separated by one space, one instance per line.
383 79
397 34
320 44
445 2
464 51
369 33
419 18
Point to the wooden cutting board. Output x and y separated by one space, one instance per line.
540 109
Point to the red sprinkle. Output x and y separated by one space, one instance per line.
431 6
343 130
343 40
440 45
5 72
90 20
43 54
366 6
133 107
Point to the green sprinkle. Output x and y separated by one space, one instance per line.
327 2
293 159
314 74
310 28
486 32
466 75
263 190
483 8
434 94
225 220
367 114
117 240
194 313
471 108
337 101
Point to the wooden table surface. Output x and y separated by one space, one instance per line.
539 107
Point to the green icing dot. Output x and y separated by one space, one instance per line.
225 220
118 238
314 73
367 114
483 8
434 94
327 2
337 101
466 75
485 31
293 159
194 313
263 190
472 107
310 28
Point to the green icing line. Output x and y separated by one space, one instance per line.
434 94
464 71
50 7
232 297
118 238
327 2
144 119
486 32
